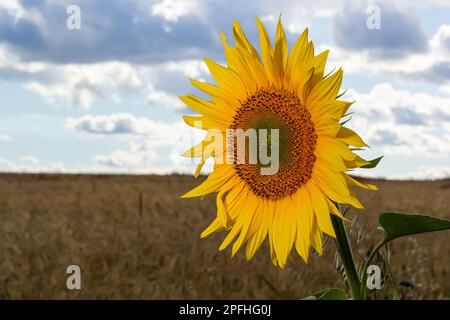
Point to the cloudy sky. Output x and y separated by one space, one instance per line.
103 98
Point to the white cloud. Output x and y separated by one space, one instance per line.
402 123
126 160
162 81
441 40
31 160
125 123
425 173
29 164
161 98
149 141
402 106
148 132
4 137
147 156
80 85
15 9
74 84
189 68
400 32
172 10
298 15
432 65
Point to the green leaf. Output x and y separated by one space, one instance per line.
372 163
328 294
397 225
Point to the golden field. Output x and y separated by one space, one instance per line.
134 238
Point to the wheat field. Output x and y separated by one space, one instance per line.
134 238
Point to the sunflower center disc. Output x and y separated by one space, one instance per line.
277 109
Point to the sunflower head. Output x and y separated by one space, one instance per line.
274 110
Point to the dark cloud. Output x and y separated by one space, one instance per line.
126 30
408 116
438 73
123 123
20 32
385 136
112 30
400 32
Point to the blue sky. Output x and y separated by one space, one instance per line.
103 98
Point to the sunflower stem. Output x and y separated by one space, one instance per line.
345 252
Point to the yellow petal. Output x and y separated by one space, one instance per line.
356 163
257 69
236 62
213 183
327 89
267 55
221 209
304 222
207 153
220 96
356 183
332 160
330 190
270 211
280 52
241 40
247 216
326 126
335 180
237 227
257 217
331 109
319 66
204 123
320 209
297 53
284 228
335 146
198 150
199 167
334 210
227 79
232 201
207 108
333 185
302 71
259 235
215 226
351 138
316 238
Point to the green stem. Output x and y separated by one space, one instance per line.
345 252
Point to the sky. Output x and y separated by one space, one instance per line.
99 94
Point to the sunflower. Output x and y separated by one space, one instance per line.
290 93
